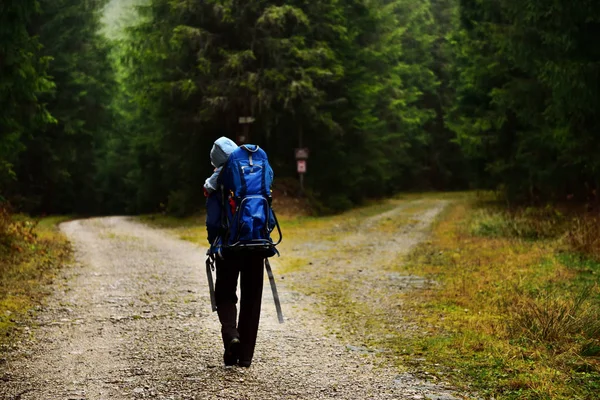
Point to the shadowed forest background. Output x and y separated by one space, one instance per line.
112 106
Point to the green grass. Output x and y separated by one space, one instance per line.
514 315
190 228
31 254
170 222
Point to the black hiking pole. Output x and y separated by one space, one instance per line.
274 289
210 266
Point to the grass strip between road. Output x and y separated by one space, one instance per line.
515 311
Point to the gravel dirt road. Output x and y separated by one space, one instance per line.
131 319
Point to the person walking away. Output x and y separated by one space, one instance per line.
239 335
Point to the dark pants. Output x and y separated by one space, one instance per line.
251 269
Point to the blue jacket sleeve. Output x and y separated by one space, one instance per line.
213 217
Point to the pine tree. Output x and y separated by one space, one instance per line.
527 95
22 80
56 168
354 81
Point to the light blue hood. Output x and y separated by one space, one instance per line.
221 150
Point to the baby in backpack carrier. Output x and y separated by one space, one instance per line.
219 154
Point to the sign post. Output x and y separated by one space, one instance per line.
244 137
301 157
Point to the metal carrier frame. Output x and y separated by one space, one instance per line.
258 243
255 244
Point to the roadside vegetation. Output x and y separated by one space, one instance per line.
516 308
31 252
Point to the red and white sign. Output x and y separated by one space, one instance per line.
301 166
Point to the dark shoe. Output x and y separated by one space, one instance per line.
232 352
244 364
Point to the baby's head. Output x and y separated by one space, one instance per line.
221 150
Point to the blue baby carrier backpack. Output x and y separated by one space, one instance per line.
247 219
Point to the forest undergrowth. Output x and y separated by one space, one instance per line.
31 253
517 309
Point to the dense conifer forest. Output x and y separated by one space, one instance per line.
112 106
